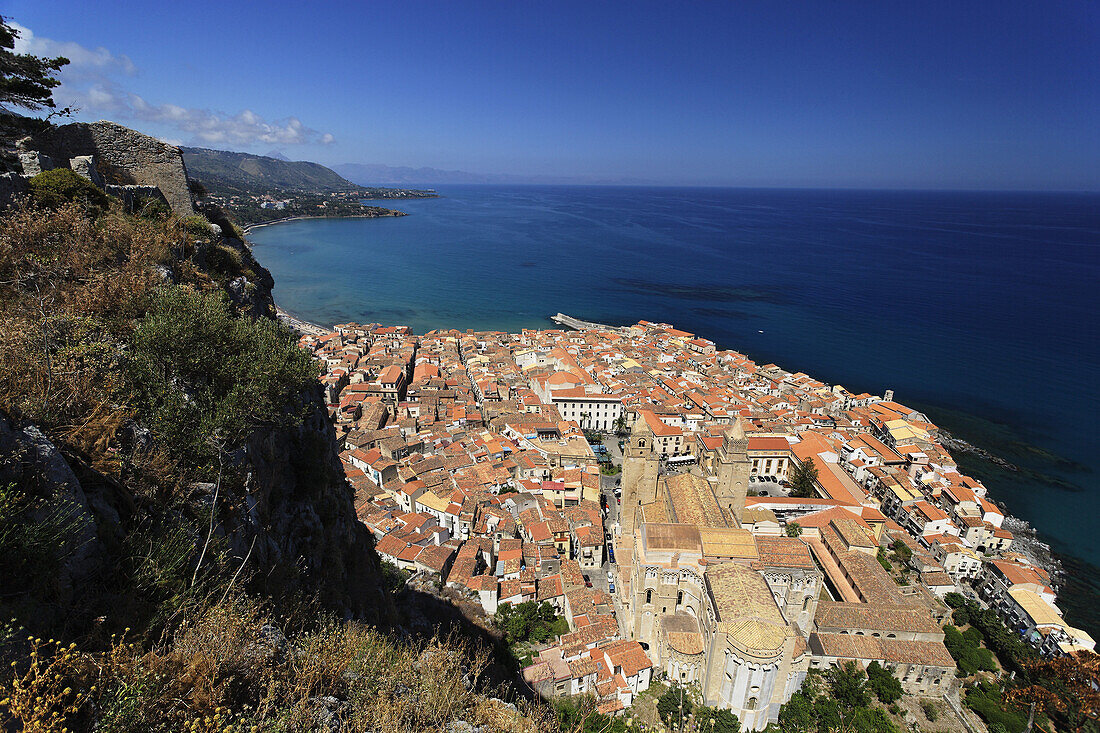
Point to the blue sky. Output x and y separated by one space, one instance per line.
868 94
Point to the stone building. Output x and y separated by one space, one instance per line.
714 605
756 659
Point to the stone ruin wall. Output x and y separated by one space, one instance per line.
126 163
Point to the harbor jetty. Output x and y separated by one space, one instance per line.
578 325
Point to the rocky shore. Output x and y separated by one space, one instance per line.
958 444
1027 543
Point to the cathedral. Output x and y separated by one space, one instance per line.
713 604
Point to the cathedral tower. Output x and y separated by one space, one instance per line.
639 473
734 468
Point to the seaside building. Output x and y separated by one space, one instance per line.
470 466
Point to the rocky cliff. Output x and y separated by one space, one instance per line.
282 511
295 511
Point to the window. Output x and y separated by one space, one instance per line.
679 597
649 596
751 704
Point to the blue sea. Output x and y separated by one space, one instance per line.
982 309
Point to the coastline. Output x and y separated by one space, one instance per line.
997 426
249 227
1028 540
299 324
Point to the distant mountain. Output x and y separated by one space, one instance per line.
277 155
224 172
374 174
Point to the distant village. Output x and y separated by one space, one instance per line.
258 208
639 481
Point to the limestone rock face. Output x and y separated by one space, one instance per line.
298 513
84 165
123 157
34 162
292 526
29 461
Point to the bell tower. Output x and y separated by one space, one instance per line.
734 467
639 473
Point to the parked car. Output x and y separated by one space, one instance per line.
610 587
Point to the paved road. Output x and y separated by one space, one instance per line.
612 444
607 488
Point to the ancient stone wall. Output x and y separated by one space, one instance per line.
122 157
12 186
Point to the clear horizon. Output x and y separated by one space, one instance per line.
848 95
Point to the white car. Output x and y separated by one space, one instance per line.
610 577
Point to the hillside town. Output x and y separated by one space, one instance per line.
641 482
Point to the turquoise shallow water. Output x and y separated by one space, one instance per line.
980 308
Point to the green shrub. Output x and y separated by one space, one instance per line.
54 188
967 651
837 699
716 720
393 577
955 600
986 700
579 715
871 720
205 378
885 685
151 207
529 621
674 706
197 226
884 561
226 261
902 550
930 710
849 686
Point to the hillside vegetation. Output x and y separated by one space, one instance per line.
179 543
224 172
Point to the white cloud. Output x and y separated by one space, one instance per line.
83 62
90 84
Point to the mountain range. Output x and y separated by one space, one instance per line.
225 172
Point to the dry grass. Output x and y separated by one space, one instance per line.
70 288
71 291
228 671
